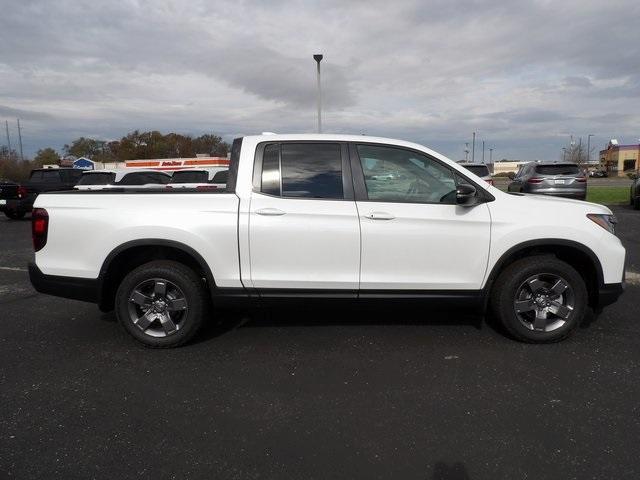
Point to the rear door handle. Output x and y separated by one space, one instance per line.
379 216
270 212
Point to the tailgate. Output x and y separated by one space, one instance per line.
8 192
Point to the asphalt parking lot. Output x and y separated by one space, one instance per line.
301 394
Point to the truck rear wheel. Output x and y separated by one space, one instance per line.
161 303
539 299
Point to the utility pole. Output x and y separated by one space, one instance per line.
6 125
318 57
20 140
473 149
483 152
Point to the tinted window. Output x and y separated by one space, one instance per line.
221 177
144 178
189 177
398 175
557 170
50 176
36 176
311 170
480 170
71 176
103 178
270 182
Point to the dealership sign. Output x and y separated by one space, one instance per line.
83 163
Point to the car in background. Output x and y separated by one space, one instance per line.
598 173
41 180
634 192
479 169
109 179
559 179
8 190
202 179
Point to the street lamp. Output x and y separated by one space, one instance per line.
564 153
318 57
473 149
491 155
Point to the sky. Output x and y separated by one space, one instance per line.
524 75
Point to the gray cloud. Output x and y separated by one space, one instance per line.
524 75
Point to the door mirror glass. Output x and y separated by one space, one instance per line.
466 195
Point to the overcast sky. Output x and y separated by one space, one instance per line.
524 75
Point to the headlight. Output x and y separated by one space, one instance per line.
606 221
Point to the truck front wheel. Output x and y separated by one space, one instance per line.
161 303
539 299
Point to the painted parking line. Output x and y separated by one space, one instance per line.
14 269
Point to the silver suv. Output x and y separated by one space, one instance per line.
547 178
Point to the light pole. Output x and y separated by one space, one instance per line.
466 151
589 146
491 155
483 152
473 149
564 153
318 57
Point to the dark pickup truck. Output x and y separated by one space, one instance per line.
18 200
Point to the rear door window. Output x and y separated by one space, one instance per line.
558 170
311 170
50 176
190 177
97 178
479 170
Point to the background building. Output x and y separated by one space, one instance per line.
619 159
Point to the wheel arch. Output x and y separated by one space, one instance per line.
576 254
124 258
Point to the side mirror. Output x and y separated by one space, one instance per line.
511 175
466 195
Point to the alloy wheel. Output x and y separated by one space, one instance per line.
157 307
544 302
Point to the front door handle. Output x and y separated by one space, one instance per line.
270 212
379 216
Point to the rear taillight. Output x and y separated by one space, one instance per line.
206 187
581 179
39 228
22 192
535 180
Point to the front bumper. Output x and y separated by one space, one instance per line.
609 293
83 289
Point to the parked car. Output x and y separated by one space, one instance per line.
480 169
598 173
122 179
8 190
41 180
634 192
203 179
547 178
329 217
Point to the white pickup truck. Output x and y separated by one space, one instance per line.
329 217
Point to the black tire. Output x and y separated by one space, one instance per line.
13 215
508 284
636 203
185 284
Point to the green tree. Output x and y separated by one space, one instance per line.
47 156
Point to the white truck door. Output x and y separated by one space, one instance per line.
304 231
414 236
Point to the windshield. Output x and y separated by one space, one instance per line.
570 169
102 178
479 170
189 177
